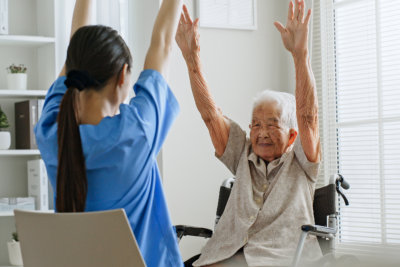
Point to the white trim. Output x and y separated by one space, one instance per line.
380 124
328 88
227 26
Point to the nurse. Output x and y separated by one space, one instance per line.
100 154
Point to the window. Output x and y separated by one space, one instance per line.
360 95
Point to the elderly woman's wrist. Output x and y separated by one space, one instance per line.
300 55
192 60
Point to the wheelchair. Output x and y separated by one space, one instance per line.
325 215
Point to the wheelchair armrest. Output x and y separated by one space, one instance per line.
318 230
183 230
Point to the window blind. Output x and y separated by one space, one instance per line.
361 94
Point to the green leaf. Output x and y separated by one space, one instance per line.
3 120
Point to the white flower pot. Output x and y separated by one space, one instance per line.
14 253
17 81
5 140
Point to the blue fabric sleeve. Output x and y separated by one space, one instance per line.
156 107
53 99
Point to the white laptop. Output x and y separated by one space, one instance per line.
87 239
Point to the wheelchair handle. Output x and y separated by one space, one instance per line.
341 183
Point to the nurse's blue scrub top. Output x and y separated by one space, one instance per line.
120 156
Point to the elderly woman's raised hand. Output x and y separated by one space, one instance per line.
187 35
295 34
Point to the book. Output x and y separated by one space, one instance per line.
3 16
26 117
40 108
21 203
38 184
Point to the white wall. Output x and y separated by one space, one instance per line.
237 65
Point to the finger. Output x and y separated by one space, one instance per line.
187 15
290 12
182 19
279 27
196 24
296 10
301 13
307 19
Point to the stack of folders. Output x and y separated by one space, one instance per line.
27 114
38 184
21 203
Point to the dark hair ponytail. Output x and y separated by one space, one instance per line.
95 55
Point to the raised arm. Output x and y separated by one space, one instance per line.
163 35
295 39
80 18
187 38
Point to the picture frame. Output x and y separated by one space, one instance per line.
227 14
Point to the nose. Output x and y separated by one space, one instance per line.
264 132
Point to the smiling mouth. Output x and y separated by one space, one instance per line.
264 144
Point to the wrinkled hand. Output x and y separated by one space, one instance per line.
295 34
187 35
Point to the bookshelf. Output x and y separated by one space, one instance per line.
25 41
22 93
19 152
6 213
11 214
36 38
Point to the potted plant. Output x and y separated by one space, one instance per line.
5 136
14 251
17 77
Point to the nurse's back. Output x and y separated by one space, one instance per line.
98 159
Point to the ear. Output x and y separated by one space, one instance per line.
123 75
292 136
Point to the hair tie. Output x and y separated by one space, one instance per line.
80 79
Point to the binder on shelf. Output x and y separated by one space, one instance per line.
26 117
38 184
3 16
21 203
40 108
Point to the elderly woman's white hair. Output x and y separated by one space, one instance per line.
285 102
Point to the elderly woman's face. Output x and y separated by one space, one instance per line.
269 137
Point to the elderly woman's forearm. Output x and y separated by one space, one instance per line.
306 93
307 108
202 96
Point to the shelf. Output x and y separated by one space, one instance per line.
4 93
11 213
24 40
19 152
6 213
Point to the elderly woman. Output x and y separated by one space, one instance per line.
275 171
